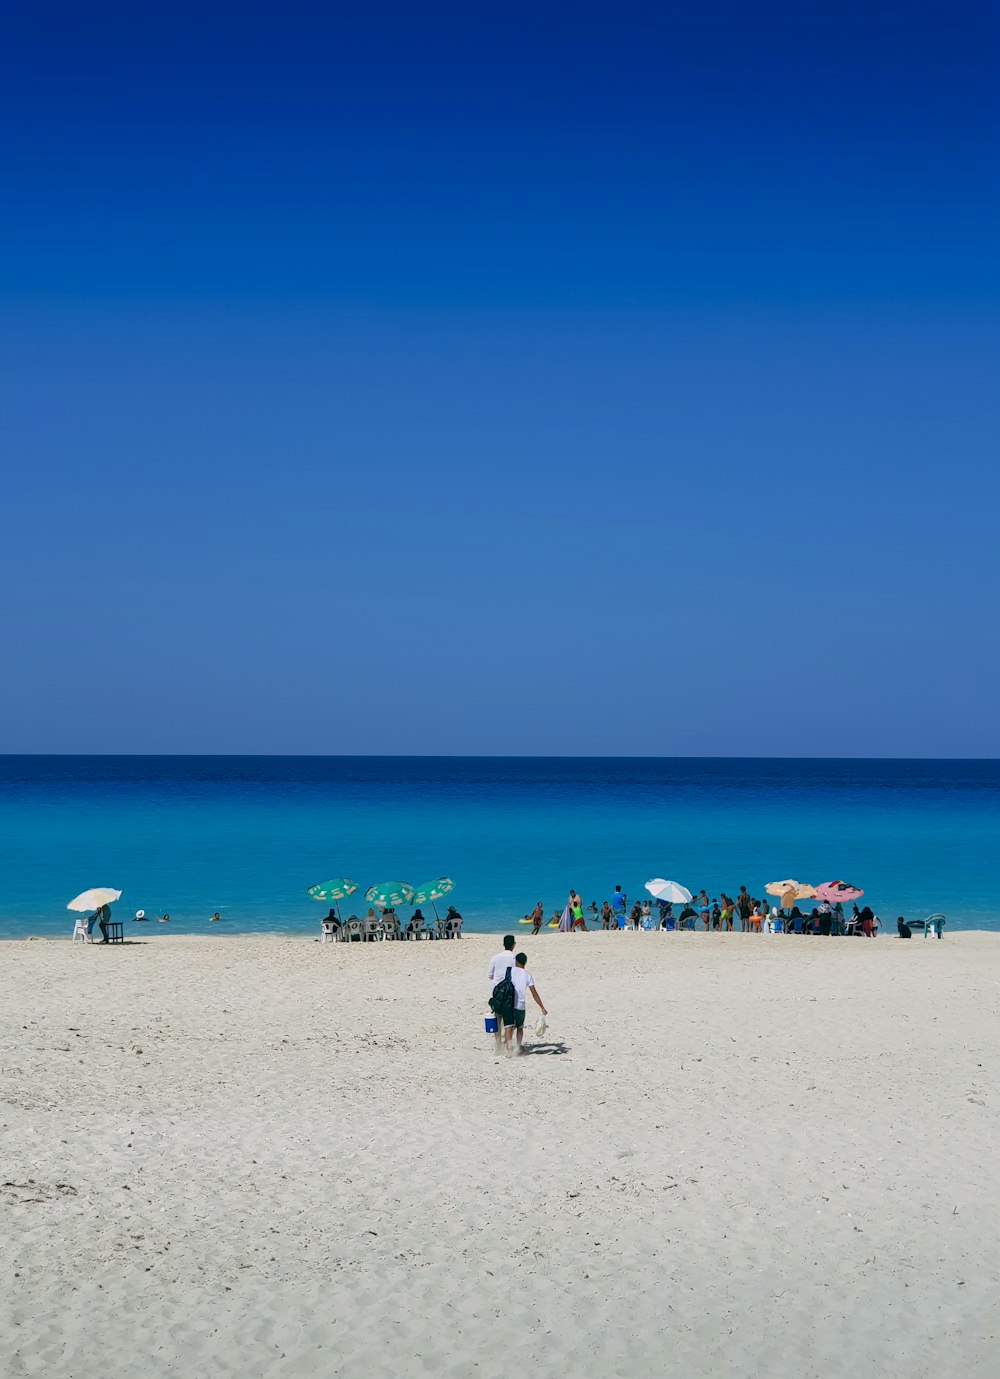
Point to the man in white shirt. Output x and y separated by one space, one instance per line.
495 972
523 983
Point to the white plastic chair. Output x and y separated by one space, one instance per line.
80 930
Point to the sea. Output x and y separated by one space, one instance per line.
246 836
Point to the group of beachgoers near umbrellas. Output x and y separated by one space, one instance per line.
722 912
719 913
386 898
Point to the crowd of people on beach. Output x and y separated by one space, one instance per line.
720 914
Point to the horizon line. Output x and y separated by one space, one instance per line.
477 756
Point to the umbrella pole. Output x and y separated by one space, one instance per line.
435 909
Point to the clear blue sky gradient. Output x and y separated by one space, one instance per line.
598 379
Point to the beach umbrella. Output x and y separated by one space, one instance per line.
431 891
790 892
834 891
337 889
668 891
94 899
781 887
389 893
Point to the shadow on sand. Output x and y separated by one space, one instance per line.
549 1048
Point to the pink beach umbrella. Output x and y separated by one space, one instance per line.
832 891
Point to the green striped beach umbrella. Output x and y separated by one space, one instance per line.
337 889
431 891
389 893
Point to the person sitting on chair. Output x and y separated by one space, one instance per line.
453 922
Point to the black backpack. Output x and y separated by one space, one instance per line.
504 997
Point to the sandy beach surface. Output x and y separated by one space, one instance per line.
735 1155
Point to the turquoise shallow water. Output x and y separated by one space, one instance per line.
247 835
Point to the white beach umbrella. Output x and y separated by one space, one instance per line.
668 890
94 899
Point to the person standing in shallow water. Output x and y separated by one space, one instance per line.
704 908
566 919
744 904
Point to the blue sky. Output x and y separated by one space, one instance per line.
500 379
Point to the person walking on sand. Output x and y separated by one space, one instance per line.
523 983
496 970
500 962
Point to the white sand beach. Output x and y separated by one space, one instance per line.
734 1155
